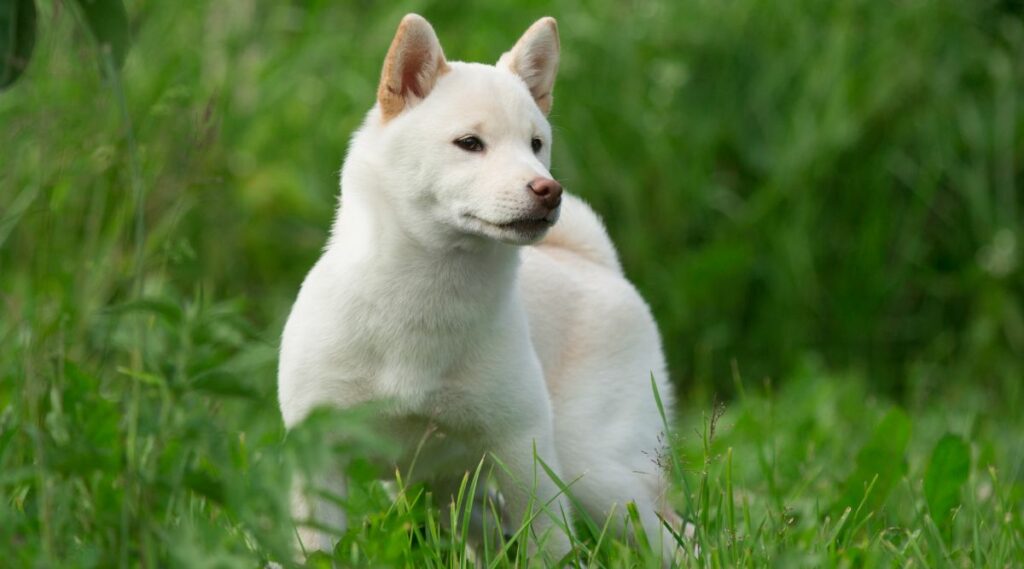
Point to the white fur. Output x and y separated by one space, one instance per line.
504 341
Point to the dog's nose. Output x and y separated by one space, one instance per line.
548 191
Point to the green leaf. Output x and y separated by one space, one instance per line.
143 377
206 484
882 457
17 38
319 560
219 382
165 308
6 434
947 472
108 22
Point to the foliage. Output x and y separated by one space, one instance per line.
17 38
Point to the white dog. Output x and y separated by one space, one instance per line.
448 291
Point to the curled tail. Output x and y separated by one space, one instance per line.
581 231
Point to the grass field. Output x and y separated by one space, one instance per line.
822 201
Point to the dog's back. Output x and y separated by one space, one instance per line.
580 231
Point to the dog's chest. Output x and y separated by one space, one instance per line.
413 348
436 338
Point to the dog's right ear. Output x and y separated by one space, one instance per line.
414 63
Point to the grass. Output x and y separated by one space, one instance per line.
821 201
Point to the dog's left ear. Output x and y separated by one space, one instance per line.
415 61
534 58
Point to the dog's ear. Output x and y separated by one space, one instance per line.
534 58
414 63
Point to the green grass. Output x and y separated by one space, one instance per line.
820 200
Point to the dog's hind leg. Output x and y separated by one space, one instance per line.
604 491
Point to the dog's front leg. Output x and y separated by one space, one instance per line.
530 493
316 510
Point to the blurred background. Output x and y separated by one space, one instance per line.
799 188
836 181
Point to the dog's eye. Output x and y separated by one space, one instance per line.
470 144
537 144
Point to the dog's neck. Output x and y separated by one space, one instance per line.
367 233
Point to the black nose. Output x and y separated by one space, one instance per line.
548 191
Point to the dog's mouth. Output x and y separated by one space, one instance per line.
526 226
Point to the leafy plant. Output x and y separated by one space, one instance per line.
17 38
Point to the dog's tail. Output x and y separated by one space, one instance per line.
581 231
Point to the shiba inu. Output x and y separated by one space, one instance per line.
466 289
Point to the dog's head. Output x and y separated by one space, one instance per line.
467 146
